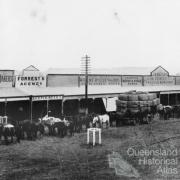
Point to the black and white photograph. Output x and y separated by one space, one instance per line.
90 90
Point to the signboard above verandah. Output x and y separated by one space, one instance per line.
45 98
159 77
29 81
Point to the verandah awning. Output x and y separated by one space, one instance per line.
41 93
12 94
94 91
170 92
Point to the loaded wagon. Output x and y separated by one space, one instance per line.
136 107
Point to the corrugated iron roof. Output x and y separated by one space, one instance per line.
12 92
118 70
43 91
6 92
94 90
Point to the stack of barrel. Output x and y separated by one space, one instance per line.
135 101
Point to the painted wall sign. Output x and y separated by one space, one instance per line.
101 80
158 80
131 80
6 78
29 81
42 98
30 77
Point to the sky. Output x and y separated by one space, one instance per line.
114 33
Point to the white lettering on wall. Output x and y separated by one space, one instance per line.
28 81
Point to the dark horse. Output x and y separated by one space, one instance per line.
60 127
7 130
70 125
165 112
30 128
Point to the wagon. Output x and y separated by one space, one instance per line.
136 107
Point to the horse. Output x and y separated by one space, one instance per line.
30 128
69 125
176 111
104 119
100 119
7 130
75 121
18 132
96 121
40 127
112 118
143 116
167 112
48 122
60 127
78 122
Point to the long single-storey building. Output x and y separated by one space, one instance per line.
33 94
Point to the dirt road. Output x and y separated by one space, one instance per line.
70 157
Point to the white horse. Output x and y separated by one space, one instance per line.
96 120
102 119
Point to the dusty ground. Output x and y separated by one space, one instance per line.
70 158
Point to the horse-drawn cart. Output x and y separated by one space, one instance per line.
136 107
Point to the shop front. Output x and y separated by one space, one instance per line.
50 105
